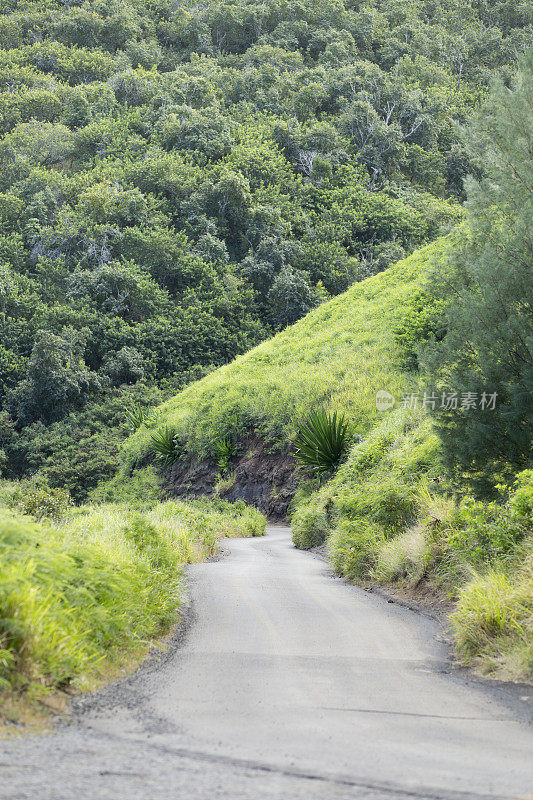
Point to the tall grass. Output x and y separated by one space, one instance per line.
77 597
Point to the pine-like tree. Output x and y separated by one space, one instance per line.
488 289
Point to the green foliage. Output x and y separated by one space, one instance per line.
45 503
421 323
76 597
406 558
492 623
321 442
136 416
337 358
176 184
140 490
309 527
354 548
57 377
165 445
521 500
79 451
487 293
484 532
223 451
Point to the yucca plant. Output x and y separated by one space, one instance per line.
321 442
224 450
136 416
165 445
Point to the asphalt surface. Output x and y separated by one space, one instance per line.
287 683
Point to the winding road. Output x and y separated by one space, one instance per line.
288 683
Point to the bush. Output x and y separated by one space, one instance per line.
484 533
136 416
142 489
45 503
224 450
394 504
310 527
354 548
406 558
521 501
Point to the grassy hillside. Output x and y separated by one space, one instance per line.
387 515
80 598
338 356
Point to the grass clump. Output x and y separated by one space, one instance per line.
78 598
493 622
405 558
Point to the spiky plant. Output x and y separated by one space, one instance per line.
165 445
137 416
321 442
224 450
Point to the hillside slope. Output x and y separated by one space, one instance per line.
338 356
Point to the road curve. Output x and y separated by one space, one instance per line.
289 683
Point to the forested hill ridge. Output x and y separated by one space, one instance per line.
180 180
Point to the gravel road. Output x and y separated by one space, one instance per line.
285 683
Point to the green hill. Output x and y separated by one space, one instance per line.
338 356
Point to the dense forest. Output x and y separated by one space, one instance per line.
181 180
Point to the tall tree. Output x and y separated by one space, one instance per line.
488 347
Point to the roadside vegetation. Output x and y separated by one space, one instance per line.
85 590
229 223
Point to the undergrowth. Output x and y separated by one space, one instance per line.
77 597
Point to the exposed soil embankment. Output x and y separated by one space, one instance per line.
261 474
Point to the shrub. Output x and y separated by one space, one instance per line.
142 489
354 547
406 557
321 442
394 504
521 501
310 527
483 532
224 450
136 416
45 503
